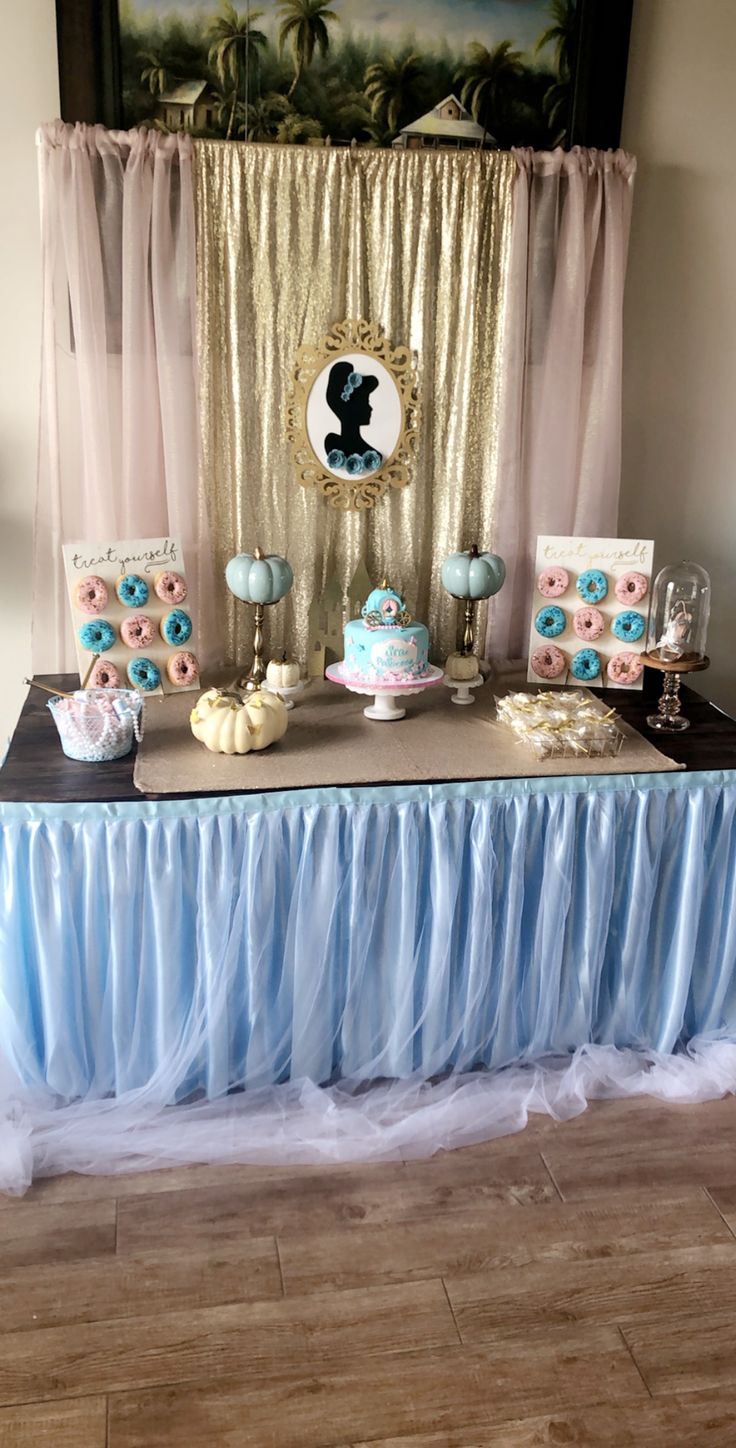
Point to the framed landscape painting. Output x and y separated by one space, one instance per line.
411 74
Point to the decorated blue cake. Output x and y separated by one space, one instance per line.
384 646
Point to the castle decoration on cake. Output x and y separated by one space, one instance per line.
384 647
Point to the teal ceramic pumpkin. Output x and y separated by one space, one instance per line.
473 574
257 578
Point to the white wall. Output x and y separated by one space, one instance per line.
679 473
29 94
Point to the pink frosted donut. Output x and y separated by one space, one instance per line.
90 594
553 582
104 676
137 631
182 669
631 588
549 661
625 668
170 587
588 623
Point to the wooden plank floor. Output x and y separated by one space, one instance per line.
574 1284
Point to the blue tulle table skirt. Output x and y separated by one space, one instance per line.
205 945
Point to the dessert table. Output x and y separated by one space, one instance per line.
200 945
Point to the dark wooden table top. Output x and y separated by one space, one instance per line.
36 771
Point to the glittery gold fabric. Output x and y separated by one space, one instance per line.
291 239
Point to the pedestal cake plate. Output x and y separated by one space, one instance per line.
385 706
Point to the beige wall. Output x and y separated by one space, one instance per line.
679 473
29 94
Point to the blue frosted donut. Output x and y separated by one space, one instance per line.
629 626
144 674
176 627
586 664
592 585
98 636
550 621
132 590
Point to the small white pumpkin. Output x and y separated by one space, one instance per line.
282 673
236 726
461 667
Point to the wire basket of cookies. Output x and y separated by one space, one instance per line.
568 725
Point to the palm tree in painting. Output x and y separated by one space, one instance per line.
263 116
304 27
346 113
234 46
155 73
556 107
391 85
295 128
487 79
562 34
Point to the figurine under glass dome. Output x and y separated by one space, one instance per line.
678 625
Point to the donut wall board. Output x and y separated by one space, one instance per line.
589 612
130 604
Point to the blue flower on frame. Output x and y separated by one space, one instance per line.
371 460
354 464
336 458
354 380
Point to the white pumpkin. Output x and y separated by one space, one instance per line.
282 673
461 667
236 726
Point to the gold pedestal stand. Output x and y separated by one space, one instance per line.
250 682
669 719
469 630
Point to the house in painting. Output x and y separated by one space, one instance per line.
447 126
189 106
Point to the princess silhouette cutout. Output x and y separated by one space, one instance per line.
348 396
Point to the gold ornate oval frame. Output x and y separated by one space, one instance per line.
395 471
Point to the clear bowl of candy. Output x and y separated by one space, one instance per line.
98 724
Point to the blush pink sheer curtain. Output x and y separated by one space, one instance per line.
561 415
118 453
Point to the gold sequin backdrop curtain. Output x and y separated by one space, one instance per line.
291 240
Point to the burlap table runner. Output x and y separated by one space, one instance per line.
330 742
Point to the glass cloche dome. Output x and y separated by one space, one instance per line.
678 618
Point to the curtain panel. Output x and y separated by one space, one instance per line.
181 276
119 436
560 451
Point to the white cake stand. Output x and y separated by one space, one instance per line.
463 687
385 704
287 695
